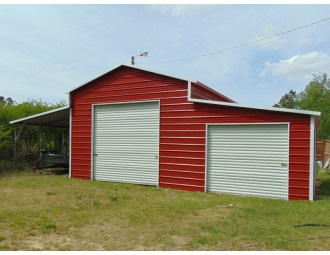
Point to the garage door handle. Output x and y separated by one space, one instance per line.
95 154
284 164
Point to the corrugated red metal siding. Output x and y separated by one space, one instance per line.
182 128
299 158
122 85
299 137
201 91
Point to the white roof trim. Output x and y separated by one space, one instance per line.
142 69
38 115
274 109
165 74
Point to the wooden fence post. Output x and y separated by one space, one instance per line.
326 153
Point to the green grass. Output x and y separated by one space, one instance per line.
52 212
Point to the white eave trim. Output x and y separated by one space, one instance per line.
38 115
274 109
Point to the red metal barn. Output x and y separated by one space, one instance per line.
137 126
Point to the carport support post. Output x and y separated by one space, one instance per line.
16 136
40 146
63 141
15 148
40 139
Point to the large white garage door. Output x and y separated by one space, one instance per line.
126 140
248 160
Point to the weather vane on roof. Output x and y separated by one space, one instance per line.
142 54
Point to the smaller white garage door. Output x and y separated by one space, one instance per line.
126 142
248 160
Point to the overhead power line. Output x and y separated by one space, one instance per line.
238 46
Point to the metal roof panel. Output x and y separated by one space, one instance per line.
56 118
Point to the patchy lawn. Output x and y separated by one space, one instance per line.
52 212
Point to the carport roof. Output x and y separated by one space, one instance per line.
55 118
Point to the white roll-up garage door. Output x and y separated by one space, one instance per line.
248 159
126 140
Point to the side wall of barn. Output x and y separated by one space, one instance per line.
191 119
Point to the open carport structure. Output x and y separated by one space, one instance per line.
59 118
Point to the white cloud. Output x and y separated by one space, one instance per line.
178 10
273 43
299 67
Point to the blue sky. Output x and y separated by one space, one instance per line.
46 50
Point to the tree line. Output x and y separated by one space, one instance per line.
28 145
315 97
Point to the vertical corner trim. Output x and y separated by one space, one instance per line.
70 144
312 159
206 157
189 91
92 142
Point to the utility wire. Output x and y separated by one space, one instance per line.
237 46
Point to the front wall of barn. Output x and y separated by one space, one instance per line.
182 128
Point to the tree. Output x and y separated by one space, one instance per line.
5 138
316 94
7 101
289 100
315 97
